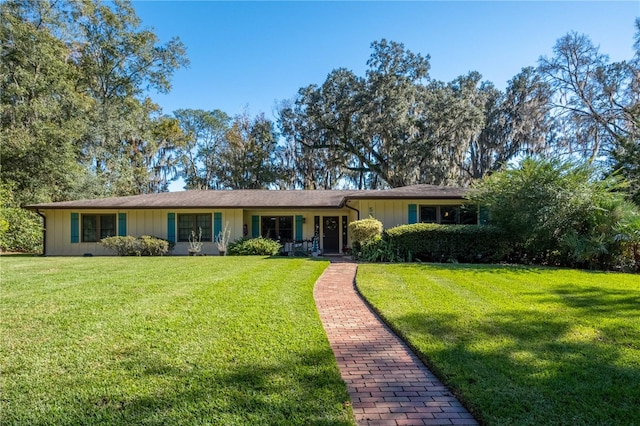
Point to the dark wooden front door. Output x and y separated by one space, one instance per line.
331 234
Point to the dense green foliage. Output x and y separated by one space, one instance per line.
20 229
75 119
166 341
448 243
520 345
558 213
144 245
364 229
254 247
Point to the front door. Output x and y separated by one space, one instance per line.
330 234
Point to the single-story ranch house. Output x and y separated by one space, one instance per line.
74 228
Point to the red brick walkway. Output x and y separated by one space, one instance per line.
388 384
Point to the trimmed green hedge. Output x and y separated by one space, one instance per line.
448 243
254 247
142 246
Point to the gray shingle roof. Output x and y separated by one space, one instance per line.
255 198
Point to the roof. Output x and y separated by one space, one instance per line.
256 198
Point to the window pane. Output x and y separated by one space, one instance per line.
285 228
185 226
203 221
448 215
89 228
269 227
428 214
107 225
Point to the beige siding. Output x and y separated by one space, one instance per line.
394 213
154 222
139 222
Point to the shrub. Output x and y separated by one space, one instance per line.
364 229
122 246
556 213
20 229
142 246
447 243
152 246
254 247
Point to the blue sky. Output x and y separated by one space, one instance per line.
250 55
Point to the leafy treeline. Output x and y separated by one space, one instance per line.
397 126
77 120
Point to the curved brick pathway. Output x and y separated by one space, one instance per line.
388 384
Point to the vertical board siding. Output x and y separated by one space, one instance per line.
413 214
122 224
255 226
171 227
75 227
217 224
298 227
345 226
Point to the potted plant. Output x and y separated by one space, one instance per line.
222 240
195 243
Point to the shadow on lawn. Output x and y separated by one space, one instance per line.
301 391
523 367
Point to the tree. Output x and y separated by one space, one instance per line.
200 157
249 158
368 125
594 100
118 62
516 123
556 212
75 121
41 112
626 155
20 229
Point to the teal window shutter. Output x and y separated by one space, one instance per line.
171 227
413 214
122 224
298 227
217 224
75 227
255 226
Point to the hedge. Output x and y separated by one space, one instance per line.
254 247
448 243
142 246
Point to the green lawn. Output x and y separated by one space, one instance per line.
172 340
521 346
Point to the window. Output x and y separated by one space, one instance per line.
98 226
188 223
277 228
449 215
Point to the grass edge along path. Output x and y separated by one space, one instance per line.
172 340
520 345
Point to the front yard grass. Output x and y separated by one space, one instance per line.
520 346
171 340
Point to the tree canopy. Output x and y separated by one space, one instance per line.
77 117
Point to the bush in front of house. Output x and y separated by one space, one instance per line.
254 247
145 245
20 229
560 213
447 243
364 229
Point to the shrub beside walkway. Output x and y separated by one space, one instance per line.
388 384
